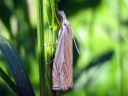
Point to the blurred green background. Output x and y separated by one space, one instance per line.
100 28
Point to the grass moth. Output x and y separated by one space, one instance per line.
62 71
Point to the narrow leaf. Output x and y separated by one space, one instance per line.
16 67
7 79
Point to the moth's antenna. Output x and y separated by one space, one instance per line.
76 45
78 36
76 32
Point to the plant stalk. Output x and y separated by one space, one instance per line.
41 50
53 23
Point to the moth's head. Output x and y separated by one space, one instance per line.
63 18
62 15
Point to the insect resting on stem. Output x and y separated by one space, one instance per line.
62 72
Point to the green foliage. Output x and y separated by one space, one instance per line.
101 67
7 79
22 86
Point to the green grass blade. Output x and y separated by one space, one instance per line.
41 50
16 67
7 79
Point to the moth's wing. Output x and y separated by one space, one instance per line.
69 52
66 72
58 63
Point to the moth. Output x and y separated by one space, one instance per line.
62 71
